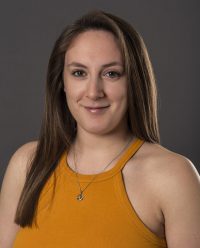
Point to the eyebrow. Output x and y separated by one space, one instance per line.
103 66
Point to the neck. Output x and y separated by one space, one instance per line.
97 150
98 144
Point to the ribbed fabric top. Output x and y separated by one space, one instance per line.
105 218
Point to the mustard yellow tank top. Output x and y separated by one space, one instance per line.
105 217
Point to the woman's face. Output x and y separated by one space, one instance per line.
95 83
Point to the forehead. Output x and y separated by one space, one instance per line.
94 45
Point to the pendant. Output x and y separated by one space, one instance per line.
80 196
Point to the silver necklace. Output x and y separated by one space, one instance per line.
80 196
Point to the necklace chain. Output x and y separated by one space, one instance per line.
80 196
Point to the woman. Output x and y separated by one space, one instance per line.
97 176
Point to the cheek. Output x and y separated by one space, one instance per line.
119 94
72 93
68 94
121 100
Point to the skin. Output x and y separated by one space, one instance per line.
163 186
95 84
150 176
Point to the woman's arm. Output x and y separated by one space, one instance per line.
180 203
12 185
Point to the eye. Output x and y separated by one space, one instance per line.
78 73
113 74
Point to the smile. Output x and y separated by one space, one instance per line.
96 110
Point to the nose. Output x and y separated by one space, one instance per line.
95 89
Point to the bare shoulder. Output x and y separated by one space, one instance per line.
159 160
20 160
24 152
11 188
166 167
175 182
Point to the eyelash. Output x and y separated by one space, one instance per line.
117 74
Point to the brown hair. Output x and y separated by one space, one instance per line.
58 128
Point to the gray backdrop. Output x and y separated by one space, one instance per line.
170 30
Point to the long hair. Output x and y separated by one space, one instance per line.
58 128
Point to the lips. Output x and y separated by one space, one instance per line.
96 107
96 110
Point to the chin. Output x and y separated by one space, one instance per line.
102 129
98 130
